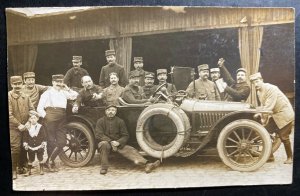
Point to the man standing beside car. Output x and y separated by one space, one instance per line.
203 88
111 136
237 90
52 107
272 99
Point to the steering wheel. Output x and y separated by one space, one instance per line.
161 94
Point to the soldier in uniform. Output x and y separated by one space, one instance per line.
138 65
19 106
133 93
215 74
149 87
112 66
31 89
74 75
162 78
52 107
112 93
90 95
272 98
111 136
237 90
203 88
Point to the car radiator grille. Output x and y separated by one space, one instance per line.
205 120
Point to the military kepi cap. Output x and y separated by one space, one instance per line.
255 76
241 69
133 74
149 75
138 59
15 79
161 71
77 58
110 52
29 75
110 106
203 67
215 70
33 113
58 77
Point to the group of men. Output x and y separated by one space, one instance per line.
111 132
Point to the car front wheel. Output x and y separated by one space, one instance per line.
244 145
80 146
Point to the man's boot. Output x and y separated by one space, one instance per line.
14 160
51 163
271 158
41 168
151 166
288 151
28 173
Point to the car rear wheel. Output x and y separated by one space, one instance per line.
80 147
244 145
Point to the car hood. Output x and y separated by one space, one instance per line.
192 105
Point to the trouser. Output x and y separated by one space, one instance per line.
283 134
23 154
127 152
39 153
15 146
56 136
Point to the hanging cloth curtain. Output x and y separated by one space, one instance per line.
123 48
250 39
22 58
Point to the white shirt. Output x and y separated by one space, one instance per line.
54 98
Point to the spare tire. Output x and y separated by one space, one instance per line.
162 129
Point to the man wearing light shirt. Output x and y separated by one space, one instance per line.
52 107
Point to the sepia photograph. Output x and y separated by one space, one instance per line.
148 97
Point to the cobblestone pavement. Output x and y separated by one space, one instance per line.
200 171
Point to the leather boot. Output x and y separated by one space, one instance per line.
41 168
51 163
28 173
288 151
14 160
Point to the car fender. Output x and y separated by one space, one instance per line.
83 119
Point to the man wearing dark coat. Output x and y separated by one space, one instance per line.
111 136
272 99
90 95
19 106
74 75
149 87
138 65
133 93
237 90
112 66
162 78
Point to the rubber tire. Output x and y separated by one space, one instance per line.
181 122
90 137
254 125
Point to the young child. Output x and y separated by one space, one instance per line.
34 142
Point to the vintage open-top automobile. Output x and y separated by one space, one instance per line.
179 127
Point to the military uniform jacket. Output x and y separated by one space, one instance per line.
133 94
34 93
73 77
149 90
107 69
85 97
141 74
111 94
205 90
111 129
234 91
18 109
272 98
